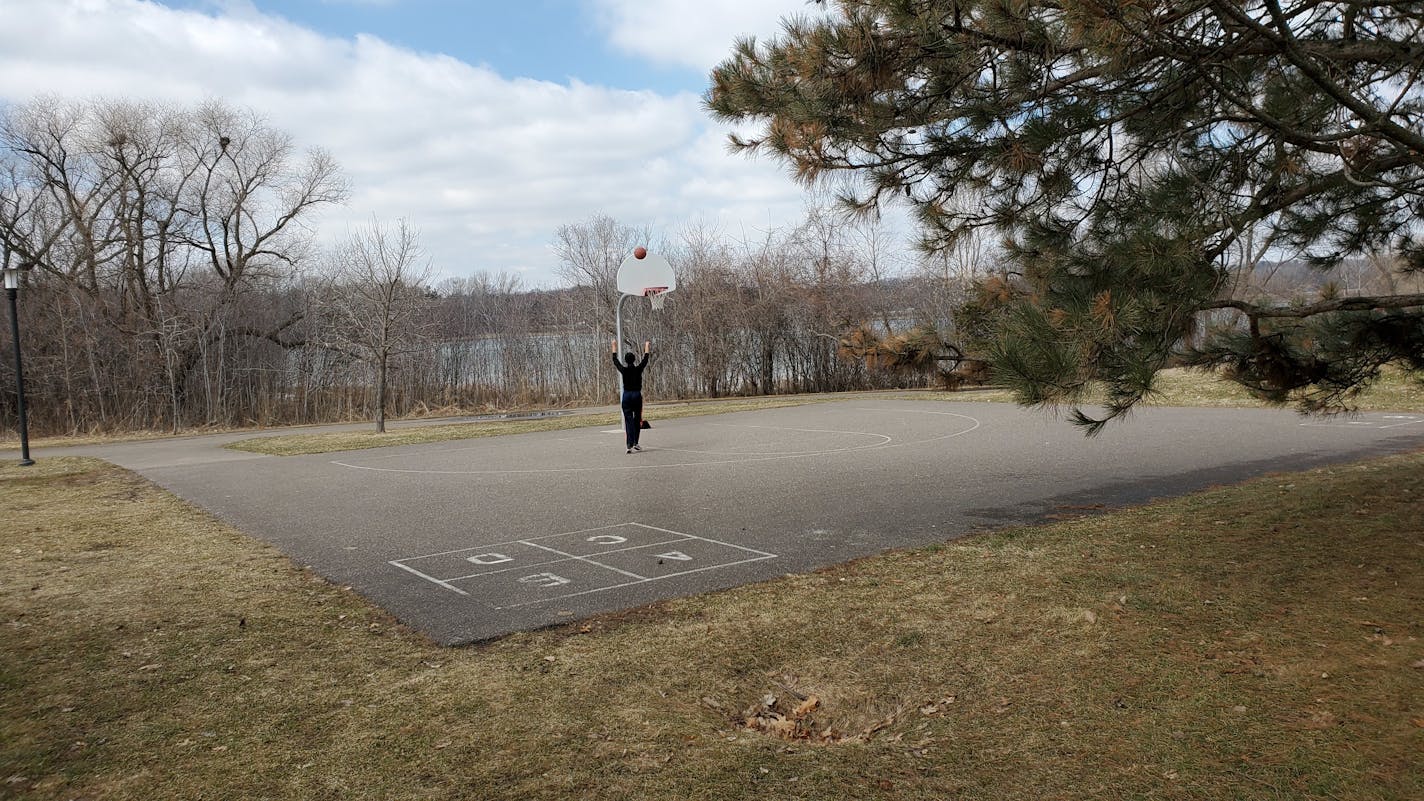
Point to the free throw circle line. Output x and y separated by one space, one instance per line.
939 438
750 459
882 437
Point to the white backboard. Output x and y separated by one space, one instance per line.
636 275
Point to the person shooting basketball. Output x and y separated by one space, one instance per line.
632 401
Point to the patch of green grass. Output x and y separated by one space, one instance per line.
1261 641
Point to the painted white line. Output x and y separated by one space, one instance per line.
885 445
1413 422
977 423
644 581
515 542
705 539
586 559
431 579
679 536
527 566
556 561
606 468
883 440
592 442
1378 424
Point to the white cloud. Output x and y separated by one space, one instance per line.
486 167
694 33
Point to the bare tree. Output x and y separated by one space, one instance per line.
589 254
160 225
173 287
376 308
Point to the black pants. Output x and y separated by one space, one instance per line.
632 414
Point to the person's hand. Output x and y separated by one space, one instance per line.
648 347
614 347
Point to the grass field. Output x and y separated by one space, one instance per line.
1261 641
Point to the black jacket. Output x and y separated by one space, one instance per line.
632 375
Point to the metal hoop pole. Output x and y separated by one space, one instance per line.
618 332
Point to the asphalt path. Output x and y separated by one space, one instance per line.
472 539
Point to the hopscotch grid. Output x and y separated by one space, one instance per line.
681 537
704 539
586 559
526 539
556 561
644 581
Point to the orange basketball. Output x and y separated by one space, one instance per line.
639 253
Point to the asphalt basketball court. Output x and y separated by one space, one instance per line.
467 540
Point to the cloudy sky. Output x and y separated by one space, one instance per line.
487 125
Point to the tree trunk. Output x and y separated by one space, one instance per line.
381 394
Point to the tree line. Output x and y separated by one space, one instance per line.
172 281
1102 189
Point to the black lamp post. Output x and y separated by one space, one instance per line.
12 288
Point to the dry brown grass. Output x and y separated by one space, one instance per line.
1252 642
1182 387
1176 387
1179 387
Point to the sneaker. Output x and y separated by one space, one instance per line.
637 447
630 450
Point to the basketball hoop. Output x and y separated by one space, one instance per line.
642 273
657 295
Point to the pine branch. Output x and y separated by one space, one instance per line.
1360 303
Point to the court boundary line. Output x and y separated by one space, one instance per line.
1379 425
430 579
887 444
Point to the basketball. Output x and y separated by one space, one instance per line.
639 253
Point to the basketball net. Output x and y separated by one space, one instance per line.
657 295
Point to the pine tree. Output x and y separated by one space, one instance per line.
1129 153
